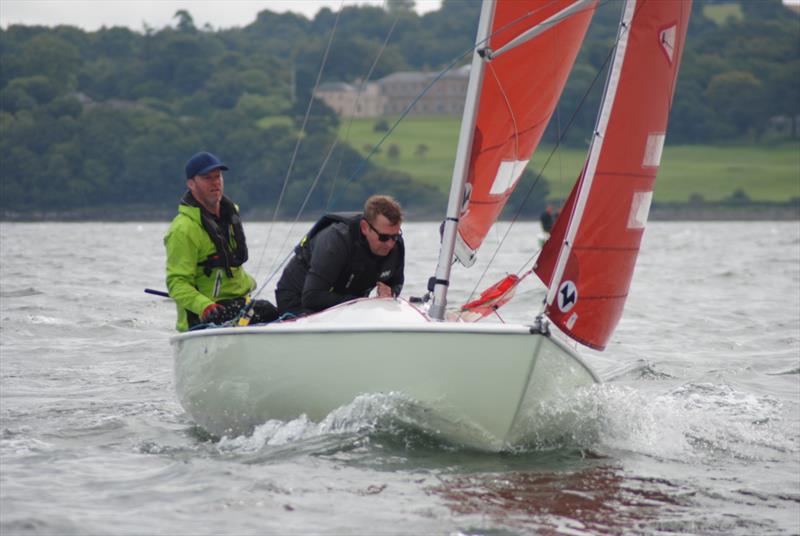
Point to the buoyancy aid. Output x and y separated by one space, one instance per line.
325 221
225 256
363 268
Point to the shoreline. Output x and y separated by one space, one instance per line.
659 212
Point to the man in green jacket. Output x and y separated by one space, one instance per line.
206 249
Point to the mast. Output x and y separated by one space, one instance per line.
439 282
603 117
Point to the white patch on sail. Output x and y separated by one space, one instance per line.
507 175
571 321
654 149
667 40
640 209
465 254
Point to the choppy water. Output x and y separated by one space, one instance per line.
696 429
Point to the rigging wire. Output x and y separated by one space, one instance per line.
553 151
510 109
288 233
433 82
324 165
300 136
361 88
402 116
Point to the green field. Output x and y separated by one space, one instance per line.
713 172
719 13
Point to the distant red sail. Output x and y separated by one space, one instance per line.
602 223
531 52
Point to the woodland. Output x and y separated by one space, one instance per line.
101 122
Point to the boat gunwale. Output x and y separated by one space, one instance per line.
314 328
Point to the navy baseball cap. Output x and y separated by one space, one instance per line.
202 163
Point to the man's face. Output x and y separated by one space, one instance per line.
207 189
381 226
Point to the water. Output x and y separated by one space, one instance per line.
696 429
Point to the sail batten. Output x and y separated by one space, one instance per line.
588 262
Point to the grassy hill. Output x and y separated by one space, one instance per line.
770 174
719 13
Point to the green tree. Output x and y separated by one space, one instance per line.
400 6
185 21
738 98
41 88
52 57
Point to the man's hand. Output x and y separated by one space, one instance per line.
384 290
212 314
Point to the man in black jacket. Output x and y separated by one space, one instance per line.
344 257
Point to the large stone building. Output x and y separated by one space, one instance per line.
392 94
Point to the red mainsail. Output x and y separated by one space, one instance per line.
588 262
528 56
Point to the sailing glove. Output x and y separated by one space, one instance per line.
213 314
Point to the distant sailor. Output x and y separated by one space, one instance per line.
206 249
547 219
345 256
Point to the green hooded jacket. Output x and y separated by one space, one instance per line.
188 245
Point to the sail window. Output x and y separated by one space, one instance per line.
640 209
507 175
654 149
667 40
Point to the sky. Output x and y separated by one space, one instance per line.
91 15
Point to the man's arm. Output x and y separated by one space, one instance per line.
398 276
329 259
182 258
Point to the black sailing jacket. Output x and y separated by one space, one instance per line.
334 265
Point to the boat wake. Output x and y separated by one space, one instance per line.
397 420
368 416
693 423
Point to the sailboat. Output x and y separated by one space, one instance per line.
479 384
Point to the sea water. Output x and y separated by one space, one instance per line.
695 429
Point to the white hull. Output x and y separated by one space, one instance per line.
479 380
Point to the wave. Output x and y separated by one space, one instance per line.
691 423
694 422
789 372
20 293
391 417
640 369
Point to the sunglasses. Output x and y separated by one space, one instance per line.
384 237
